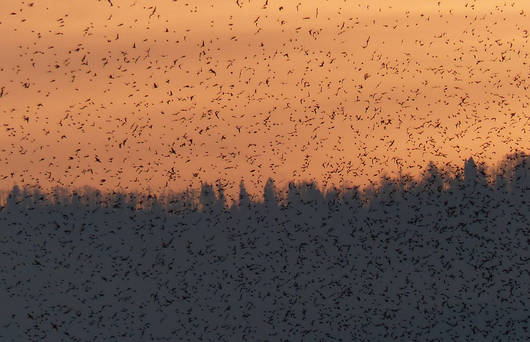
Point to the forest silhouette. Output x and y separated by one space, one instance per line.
444 257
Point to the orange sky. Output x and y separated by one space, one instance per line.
189 92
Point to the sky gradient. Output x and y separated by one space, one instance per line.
126 95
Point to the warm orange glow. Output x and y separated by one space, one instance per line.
147 97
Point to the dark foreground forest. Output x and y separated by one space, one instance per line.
445 258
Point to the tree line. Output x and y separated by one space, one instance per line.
440 258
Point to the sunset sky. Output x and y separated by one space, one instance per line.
157 95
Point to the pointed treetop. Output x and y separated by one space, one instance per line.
244 199
470 170
269 192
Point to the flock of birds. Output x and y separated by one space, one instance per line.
139 94
133 96
430 261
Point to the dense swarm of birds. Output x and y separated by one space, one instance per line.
440 259
137 95
176 92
